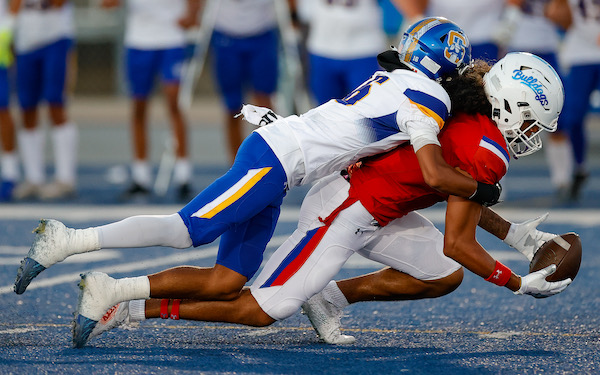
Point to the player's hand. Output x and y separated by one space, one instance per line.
535 283
526 238
107 4
487 194
188 22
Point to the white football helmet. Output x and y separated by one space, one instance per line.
527 96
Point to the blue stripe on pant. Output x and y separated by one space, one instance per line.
243 209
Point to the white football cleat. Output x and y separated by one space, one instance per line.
53 243
325 319
116 316
97 295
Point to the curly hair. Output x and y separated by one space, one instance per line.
466 91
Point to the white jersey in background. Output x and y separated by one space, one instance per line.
581 44
478 18
39 25
387 110
153 24
535 32
257 17
341 29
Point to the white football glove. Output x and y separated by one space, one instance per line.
526 238
259 116
535 283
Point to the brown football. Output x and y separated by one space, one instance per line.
564 251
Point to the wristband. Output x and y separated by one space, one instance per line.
175 309
501 275
164 309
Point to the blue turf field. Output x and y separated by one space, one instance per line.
478 329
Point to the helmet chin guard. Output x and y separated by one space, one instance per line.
527 96
436 47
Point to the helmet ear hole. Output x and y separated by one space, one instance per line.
507 106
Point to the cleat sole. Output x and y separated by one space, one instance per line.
82 328
27 271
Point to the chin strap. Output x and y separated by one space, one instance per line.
390 60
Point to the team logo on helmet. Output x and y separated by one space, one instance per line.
533 84
457 47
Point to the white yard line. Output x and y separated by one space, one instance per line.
580 217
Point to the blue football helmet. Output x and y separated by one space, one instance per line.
436 47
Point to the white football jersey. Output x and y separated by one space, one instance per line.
582 42
39 25
387 110
245 18
153 24
477 18
342 29
535 32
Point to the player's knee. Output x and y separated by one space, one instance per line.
448 284
284 309
223 284
249 311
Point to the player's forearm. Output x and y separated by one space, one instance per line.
442 177
493 223
14 6
461 244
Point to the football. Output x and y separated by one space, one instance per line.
564 251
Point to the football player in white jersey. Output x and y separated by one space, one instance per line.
580 54
344 39
155 43
9 167
43 39
406 104
525 26
327 232
245 52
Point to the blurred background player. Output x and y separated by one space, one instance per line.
525 26
9 167
244 48
344 39
155 40
580 55
43 40
479 19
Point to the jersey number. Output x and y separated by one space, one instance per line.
362 90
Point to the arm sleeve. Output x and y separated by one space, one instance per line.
422 131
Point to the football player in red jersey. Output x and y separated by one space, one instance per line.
371 212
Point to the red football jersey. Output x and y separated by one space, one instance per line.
391 185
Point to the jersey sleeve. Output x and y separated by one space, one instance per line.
490 162
477 147
485 160
427 116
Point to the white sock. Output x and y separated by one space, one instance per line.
85 240
140 173
145 230
137 310
182 172
560 161
31 148
333 294
132 288
65 139
10 167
